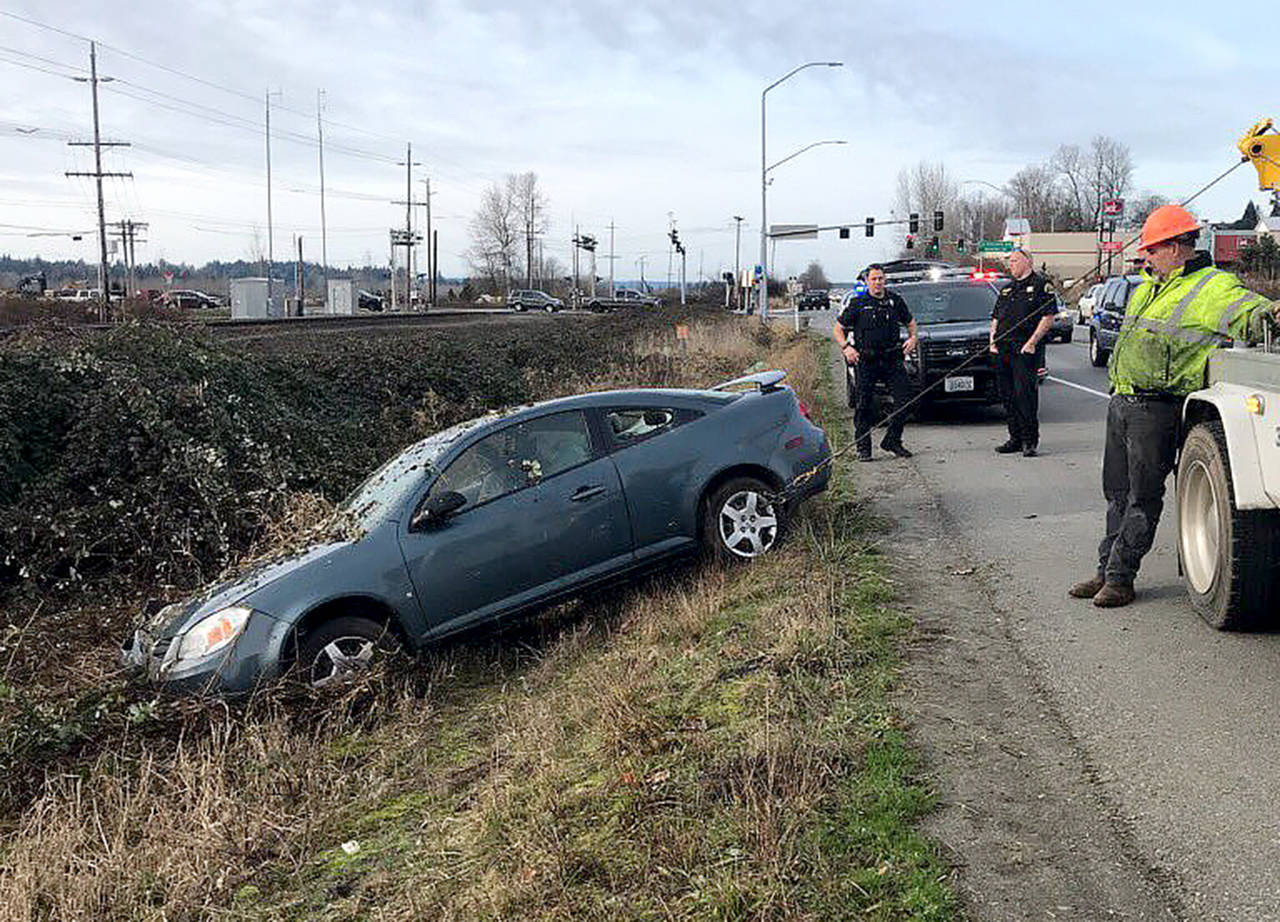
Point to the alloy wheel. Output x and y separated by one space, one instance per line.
748 524
342 660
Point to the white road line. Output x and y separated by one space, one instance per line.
1079 387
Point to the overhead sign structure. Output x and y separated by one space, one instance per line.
995 246
794 231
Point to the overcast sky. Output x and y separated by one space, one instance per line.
627 111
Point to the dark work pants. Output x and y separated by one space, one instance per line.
1017 383
874 367
1141 446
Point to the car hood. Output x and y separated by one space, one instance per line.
177 617
947 332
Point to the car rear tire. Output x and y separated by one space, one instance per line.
1097 355
742 520
1227 553
341 650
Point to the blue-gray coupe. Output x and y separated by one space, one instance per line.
500 515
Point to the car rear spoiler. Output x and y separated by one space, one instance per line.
763 381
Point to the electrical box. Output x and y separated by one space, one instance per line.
341 297
249 299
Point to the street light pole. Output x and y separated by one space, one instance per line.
764 187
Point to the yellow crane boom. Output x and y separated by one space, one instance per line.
1261 146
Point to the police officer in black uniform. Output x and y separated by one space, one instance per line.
1020 321
867 332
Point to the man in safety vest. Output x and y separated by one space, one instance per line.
1182 311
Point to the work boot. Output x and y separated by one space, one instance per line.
896 448
1008 448
1029 451
1113 595
1086 589
864 455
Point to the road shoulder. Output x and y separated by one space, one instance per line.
1020 811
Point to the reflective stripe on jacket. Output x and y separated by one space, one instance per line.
1171 327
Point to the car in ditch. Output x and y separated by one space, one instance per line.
498 516
952 361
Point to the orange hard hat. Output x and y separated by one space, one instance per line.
1165 223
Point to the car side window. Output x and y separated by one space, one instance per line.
636 424
516 457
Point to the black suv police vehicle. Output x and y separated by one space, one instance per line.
952 307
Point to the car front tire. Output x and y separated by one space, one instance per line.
1097 355
742 521
341 650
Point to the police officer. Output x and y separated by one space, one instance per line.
867 333
1183 310
1020 320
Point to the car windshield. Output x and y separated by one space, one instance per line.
386 489
949 302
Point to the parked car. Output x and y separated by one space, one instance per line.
952 361
1088 301
815 299
498 516
1064 323
368 301
526 299
82 295
188 299
1108 315
624 297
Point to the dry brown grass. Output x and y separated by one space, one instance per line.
665 752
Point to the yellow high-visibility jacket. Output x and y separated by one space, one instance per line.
1172 325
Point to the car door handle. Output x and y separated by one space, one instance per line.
584 493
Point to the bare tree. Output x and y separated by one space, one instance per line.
531 206
1141 207
1072 169
1036 196
1110 173
813 277
495 231
982 216
926 188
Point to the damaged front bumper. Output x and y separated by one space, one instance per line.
253 658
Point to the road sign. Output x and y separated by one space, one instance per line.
995 246
1113 207
1112 246
794 231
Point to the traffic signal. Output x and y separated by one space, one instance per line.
913 222
911 242
959 244
871 227
937 220
844 233
935 247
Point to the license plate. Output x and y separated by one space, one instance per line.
957 384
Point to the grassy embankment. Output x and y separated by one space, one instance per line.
707 744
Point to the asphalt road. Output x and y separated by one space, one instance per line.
1181 723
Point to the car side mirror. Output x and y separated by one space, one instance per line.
438 508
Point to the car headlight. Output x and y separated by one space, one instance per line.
213 632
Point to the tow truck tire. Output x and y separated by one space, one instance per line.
1097 355
1230 557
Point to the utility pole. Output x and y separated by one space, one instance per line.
613 291
97 144
671 250
435 261
640 262
271 255
128 239
409 238
737 257
324 230
431 259
299 279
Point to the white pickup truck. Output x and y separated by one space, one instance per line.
1229 467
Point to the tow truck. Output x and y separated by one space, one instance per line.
1228 479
